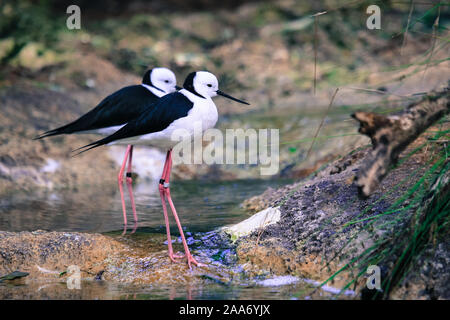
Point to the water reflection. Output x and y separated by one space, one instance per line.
202 206
99 290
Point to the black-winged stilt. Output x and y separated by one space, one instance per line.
184 110
115 111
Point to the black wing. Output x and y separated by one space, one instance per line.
168 109
118 108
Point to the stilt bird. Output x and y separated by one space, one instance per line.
183 110
116 110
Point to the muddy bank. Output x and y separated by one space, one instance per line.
324 227
136 259
136 267
26 164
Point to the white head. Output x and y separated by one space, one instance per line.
205 84
162 79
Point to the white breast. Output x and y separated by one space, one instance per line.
204 111
201 117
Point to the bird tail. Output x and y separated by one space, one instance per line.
115 136
48 134
86 148
92 145
54 132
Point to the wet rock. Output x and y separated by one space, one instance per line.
139 259
431 279
53 251
14 275
317 235
7 160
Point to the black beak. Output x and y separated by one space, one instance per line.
178 87
223 94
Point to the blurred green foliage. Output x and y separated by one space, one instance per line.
27 21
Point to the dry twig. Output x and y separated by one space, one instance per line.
390 135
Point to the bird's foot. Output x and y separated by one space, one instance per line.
134 227
191 259
173 256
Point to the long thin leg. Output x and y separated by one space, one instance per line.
130 188
190 258
172 256
120 181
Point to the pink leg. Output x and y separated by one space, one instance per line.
120 181
130 188
165 186
172 256
189 292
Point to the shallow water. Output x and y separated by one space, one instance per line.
100 290
202 207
